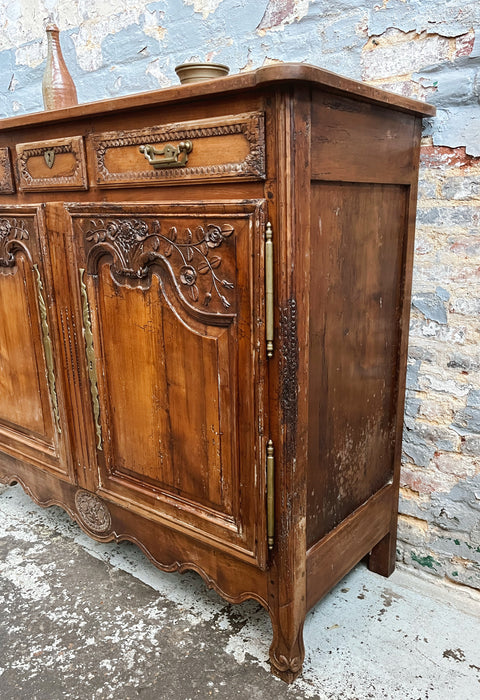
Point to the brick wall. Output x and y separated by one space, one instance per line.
426 49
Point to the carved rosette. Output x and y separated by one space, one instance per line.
12 234
92 511
136 244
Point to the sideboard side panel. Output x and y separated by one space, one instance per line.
359 209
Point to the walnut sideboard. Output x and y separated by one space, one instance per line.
204 303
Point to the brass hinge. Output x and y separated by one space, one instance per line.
270 494
269 289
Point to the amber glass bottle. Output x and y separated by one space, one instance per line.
58 87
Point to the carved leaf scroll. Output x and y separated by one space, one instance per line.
12 233
136 244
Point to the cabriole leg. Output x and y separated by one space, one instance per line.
287 650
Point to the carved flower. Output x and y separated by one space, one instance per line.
127 232
5 228
111 229
188 275
213 236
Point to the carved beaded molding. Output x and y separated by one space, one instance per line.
250 125
136 244
92 511
75 181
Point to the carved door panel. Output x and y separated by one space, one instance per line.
31 408
171 297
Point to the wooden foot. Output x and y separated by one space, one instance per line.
382 557
287 650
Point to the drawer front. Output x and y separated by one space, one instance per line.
57 164
7 185
201 150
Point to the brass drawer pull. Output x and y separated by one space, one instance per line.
173 156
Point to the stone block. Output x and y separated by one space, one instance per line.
402 57
461 188
431 306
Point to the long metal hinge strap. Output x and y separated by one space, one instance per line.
48 349
270 494
90 354
269 289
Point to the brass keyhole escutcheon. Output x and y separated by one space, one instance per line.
49 155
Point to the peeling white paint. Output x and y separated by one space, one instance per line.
155 68
32 54
25 576
204 7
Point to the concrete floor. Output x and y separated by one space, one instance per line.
85 620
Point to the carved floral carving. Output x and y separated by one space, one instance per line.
93 511
12 233
135 245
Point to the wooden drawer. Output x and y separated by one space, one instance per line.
224 148
58 164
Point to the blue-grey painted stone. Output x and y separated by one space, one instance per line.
471 445
411 406
465 493
413 507
446 217
448 19
467 421
456 547
473 398
442 293
418 352
431 306
460 361
461 188
413 369
419 451
427 190
457 98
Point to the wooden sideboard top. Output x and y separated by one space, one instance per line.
268 75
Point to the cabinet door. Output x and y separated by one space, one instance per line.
171 298
31 427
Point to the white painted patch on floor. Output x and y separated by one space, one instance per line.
403 638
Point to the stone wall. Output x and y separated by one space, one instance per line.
419 48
